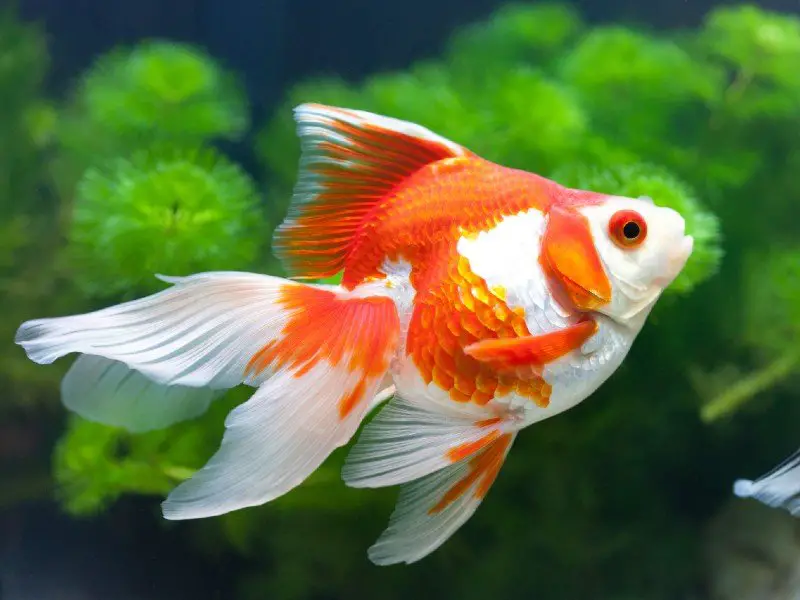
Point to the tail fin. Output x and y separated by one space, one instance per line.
317 354
445 463
779 488
350 161
109 392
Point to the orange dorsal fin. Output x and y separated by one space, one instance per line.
351 160
513 354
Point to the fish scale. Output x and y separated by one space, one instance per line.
465 310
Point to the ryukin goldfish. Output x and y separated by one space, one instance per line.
475 301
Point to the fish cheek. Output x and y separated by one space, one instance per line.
569 257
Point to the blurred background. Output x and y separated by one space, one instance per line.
156 137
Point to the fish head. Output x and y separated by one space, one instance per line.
642 247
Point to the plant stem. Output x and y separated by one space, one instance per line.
755 383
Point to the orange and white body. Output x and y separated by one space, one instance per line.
475 298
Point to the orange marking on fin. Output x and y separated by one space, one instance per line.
358 334
569 255
350 400
483 470
508 354
354 161
469 448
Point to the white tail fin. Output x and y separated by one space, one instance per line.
201 332
780 488
106 391
319 355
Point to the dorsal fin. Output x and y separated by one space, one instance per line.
351 160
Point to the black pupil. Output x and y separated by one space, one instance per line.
631 230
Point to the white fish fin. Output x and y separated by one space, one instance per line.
332 363
780 488
274 441
406 441
201 332
382 396
108 392
350 162
430 510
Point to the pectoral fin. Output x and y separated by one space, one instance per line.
512 354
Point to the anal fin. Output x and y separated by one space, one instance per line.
445 464
430 510
406 441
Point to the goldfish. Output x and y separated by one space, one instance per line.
475 300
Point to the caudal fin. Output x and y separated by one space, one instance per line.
445 463
107 391
779 488
317 354
351 160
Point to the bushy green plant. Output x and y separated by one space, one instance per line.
163 89
23 64
157 91
162 209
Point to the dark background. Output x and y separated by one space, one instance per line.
274 42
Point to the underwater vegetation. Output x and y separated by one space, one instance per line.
124 177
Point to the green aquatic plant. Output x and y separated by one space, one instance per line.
163 89
163 210
94 464
156 91
757 44
28 215
529 33
636 67
771 285
23 64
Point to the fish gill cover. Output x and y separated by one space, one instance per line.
705 121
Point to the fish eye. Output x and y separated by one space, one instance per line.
627 229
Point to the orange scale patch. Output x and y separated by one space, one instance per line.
461 311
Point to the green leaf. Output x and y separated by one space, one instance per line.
164 210
756 42
515 35
163 89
